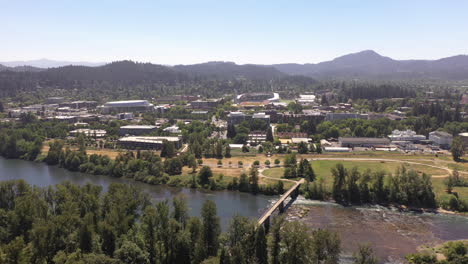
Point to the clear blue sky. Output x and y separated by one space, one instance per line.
183 32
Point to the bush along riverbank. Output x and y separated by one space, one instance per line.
146 166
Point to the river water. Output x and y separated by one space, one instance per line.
391 233
228 203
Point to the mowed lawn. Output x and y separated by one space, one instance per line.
322 168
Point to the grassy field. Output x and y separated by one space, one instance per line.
323 168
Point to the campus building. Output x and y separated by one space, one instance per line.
155 143
351 142
406 135
343 116
136 130
128 106
441 139
206 104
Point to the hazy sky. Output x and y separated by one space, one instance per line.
182 32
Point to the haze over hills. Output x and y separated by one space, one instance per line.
370 65
227 70
361 65
46 63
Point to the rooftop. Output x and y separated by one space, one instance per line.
138 127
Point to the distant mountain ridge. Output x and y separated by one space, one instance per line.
366 64
369 64
228 70
46 63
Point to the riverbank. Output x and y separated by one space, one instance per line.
223 182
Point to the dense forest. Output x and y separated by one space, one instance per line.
68 223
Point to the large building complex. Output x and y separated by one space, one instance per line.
352 142
155 143
127 106
342 116
206 104
136 130
258 97
442 139
406 135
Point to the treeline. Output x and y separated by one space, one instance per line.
75 224
350 186
452 200
127 79
376 91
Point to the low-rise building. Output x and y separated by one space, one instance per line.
172 129
235 118
367 142
125 116
441 139
206 104
155 143
262 116
464 138
136 130
54 100
79 104
306 99
336 149
256 137
98 133
300 140
342 116
407 135
291 135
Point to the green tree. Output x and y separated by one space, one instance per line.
253 173
204 175
168 149
261 252
211 228
131 253
457 149
269 134
227 151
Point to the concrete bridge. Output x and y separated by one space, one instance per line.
293 192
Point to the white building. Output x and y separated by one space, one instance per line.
442 139
306 99
125 116
98 133
407 135
127 106
148 142
172 129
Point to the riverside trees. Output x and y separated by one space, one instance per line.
350 186
68 223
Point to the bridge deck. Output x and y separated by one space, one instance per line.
281 200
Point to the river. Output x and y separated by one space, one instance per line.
228 203
391 233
